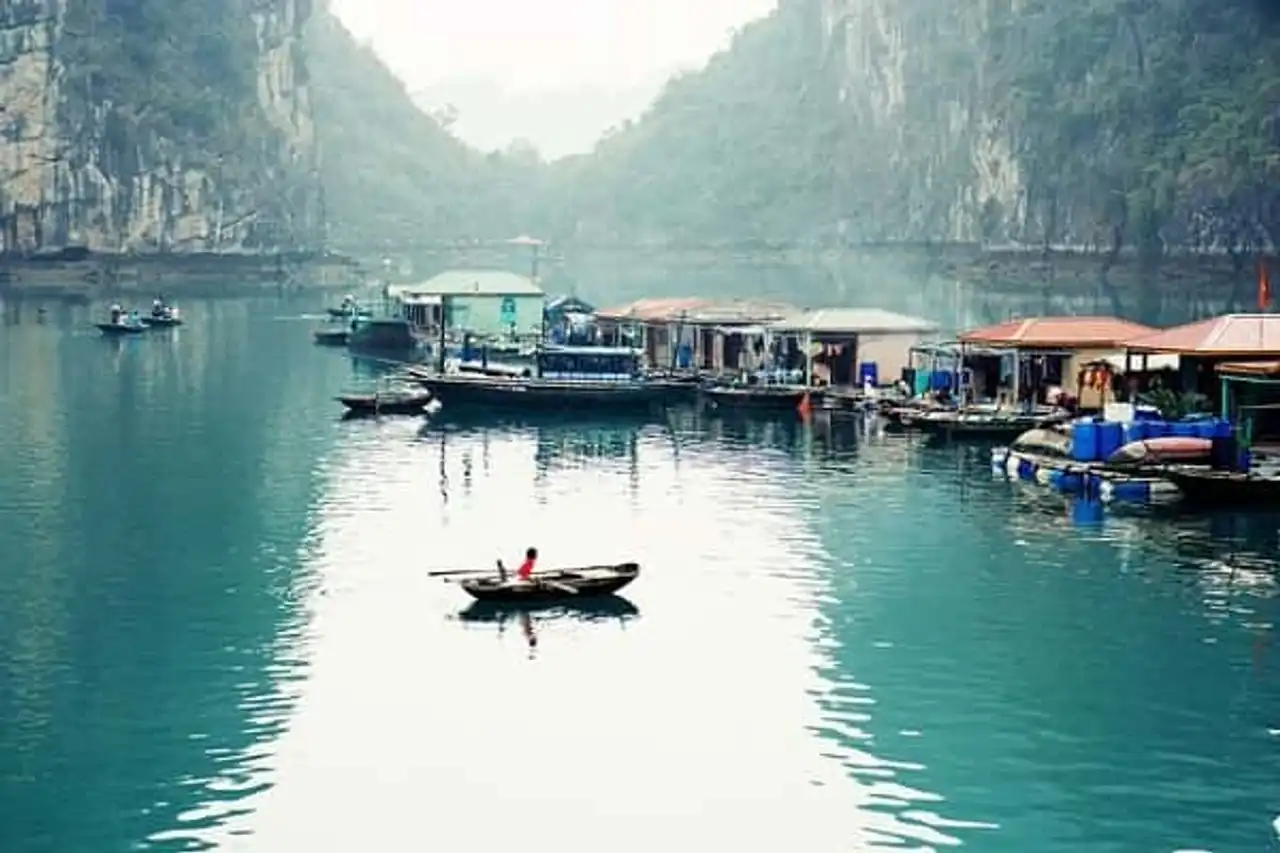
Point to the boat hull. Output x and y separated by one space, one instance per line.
515 393
760 398
117 329
161 322
555 586
981 429
331 337
1225 489
372 404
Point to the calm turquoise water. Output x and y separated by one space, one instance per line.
217 630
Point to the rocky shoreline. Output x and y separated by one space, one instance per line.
90 276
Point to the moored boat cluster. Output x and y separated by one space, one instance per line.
1101 406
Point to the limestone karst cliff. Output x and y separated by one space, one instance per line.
1111 124
156 126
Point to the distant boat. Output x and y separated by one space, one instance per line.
771 397
388 336
122 328
332 337
387 401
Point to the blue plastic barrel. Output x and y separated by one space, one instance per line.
1070 481
1206 428
1136 492
1157 429
1222 428
1110 438
1136 431
1084 441
868 371
1183 429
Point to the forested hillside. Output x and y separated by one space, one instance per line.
392 174
1117 125
1131 123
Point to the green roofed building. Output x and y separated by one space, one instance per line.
485 302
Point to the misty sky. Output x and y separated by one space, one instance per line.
544 43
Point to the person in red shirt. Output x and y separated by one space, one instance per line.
525 572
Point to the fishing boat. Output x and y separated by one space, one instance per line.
123 327
555 585
333 335
348 309
162 316
562 378
393 337
769 397
1214 488
985 424
387 401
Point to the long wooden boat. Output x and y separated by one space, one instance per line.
505 392
396 402
568 379
772 397
1210 488
556 585
116 329
984 425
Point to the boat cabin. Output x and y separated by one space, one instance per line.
596 364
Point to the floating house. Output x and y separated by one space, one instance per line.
692 332
1026 357
844 347
1202 345
489 303
1234 360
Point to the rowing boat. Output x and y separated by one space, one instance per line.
559 584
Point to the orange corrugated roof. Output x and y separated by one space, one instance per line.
1058 332
1228 335
1250 368
653 310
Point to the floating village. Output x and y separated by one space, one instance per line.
1100 407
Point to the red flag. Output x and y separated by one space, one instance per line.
1264 285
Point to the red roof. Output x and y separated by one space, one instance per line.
653 310
1229 335
1058 333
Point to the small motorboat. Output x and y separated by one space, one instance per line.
162 321
553 585
396 401
124 328
332 337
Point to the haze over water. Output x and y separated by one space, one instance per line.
216 627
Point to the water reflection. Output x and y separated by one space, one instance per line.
534 621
